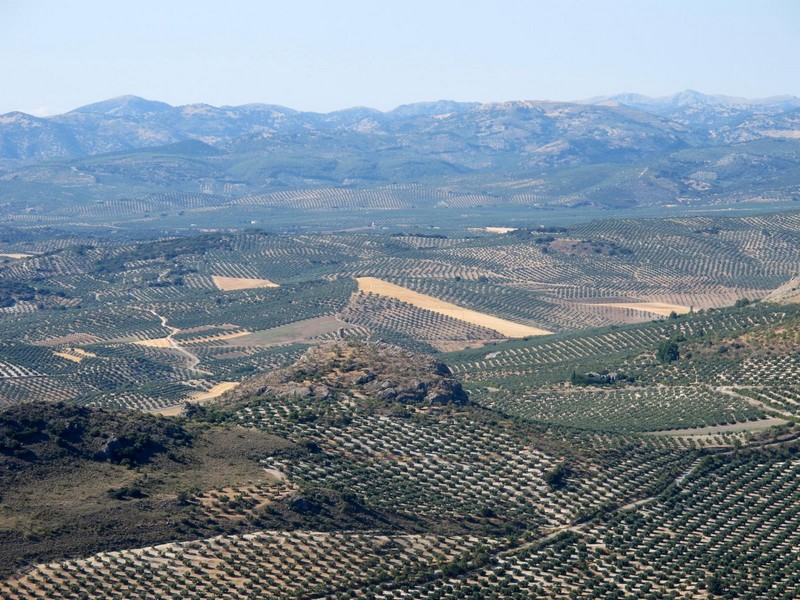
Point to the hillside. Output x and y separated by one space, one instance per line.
353 456
148 324
182 163
469 408
615 122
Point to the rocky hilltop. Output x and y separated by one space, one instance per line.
365 371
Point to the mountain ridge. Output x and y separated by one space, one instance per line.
130 122
129 146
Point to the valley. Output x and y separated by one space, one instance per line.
449 351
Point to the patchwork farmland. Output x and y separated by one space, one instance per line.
608 409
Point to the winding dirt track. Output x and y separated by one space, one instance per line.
169 342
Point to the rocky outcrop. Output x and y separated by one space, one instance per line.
364 370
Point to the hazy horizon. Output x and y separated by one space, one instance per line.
315 56
391 108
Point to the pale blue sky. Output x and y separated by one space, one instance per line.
326 55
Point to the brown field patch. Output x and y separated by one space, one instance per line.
510 329
230 284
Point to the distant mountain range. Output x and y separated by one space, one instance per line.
612 127
612 152
667 104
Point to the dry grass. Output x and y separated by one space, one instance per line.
215 391
494 229
216 338
164 342
74 354
200 397
83 353
792 299
510 329
229 284
657 308
14 255
71 357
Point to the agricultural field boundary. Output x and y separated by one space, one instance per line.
373 285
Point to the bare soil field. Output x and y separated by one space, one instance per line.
83 353
215 391
74 354
14 255
164 342
67 356
200 398
216 338
494 229
510 329
230 284
793 299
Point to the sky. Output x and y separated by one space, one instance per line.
328 55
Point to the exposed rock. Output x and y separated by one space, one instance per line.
376 371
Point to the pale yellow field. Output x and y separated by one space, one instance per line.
215 338
494 229
507 328
71 357
499 229
229 284
164 342
215 391
83 353
14 255
793 299
658 308
170 411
